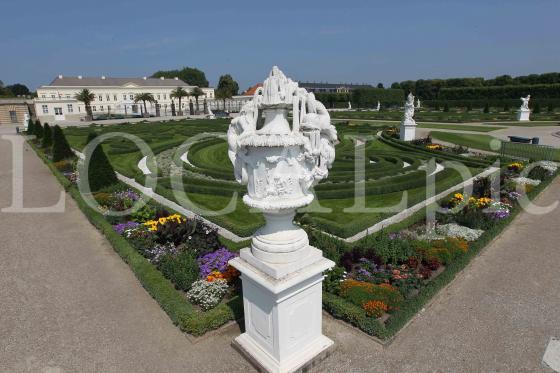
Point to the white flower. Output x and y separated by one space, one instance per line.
459 231
526 181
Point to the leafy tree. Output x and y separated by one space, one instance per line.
469 107
38 130
506 107
18 89
197 92
446 107
536 108
396 85
380 85
189 75
47 136
144 97
86 96
550 108
486 108
179 93
100 171
227 87
61 149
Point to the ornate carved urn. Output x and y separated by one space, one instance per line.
280 160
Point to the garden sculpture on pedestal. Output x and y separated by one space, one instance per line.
408 125
524 111
279 162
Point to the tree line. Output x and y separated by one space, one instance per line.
14 90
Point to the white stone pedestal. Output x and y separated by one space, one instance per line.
408 130
523 115
283 316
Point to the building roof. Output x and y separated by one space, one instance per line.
333 85
251 91
86 81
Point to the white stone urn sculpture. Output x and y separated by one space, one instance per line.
524 112
282 276
408 124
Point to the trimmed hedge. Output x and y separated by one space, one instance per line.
500 92
179 310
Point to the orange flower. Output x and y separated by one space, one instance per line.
375 308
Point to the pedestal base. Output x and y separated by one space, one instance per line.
283 317
408 131
523 115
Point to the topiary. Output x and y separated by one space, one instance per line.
181 269
38 130
446 107
537 108
47 137
30 127
100 171
60 149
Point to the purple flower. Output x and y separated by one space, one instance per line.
127 195
159 251
122 227
216 261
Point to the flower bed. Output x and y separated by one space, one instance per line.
384 280
166 252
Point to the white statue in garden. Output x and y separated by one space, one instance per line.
408 125
418 103
378 105
349 105
525 102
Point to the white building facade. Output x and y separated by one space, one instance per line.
113 97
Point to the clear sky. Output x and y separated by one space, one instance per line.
350 41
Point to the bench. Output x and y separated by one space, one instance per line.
524 140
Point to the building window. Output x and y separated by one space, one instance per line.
108 97
13 116
93 108
108 107
53 96
101 108
114 97
70 108
165 96
131 96
43 96
124 97
45 109
158 97
57 111
67 96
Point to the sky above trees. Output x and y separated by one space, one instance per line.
358 41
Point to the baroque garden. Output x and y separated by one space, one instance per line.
398 219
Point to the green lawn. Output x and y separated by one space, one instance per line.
460 127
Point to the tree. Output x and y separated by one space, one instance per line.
486 108
506 107
86 96
144 97
536 108
100 171
189 75
38 130
196 93
47 137
227 87
18 89
396 85
179 93
60 149
380 85
550 108
30 127
446 107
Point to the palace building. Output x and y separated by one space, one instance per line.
113 96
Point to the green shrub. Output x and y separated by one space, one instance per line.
446 107
332 280
536 108
363 294
538 173
38 130
47 137
181 269
486 108
30 127
60 149
100 171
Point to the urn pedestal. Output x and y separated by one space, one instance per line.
523 115
408 130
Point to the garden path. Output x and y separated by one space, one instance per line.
69 303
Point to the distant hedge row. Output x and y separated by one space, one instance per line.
540 91
500 103
363 97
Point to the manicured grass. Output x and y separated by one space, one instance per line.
526 124
475 141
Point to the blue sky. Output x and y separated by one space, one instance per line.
351 41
